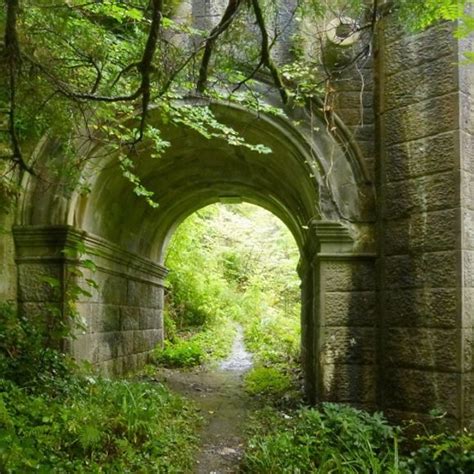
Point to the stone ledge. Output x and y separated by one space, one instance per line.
46 243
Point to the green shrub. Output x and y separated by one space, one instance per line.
443 453
336 438
182 353
267 381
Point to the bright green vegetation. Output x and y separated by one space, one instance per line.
232 264
55 419
341 439
267 381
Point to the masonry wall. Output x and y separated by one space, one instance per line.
420 348
120 319
345 329
466 88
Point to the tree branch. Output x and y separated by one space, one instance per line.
221 27
266 58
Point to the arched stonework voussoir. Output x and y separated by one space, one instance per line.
308 175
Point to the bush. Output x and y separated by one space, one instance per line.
440 453
267 381
182 353
336 438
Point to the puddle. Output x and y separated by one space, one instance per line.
219 394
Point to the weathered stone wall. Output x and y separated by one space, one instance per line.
345 330
7 258
121 320
466 91
419 205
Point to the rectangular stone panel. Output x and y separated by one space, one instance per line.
348 345
425 81
351 308
423 194
468 386
130 318
422 232
33 283
423 119
431 270
112 289
468 268
348 383
422 348
151 318
467 151
468 307
348 275
424 307
413 50
420 391
144 294
468 229
421 157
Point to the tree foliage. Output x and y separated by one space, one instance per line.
80 71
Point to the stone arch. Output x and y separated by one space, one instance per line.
313 181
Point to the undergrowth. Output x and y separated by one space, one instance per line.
55 419
336 438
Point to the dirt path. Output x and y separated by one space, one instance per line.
219 394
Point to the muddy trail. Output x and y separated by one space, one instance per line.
218 392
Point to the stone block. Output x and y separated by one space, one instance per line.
352 308
348 276
112 289
468 307
151 318
129 318
466 113
348 345
144 340
467 151
422 348
425 81
145 294
423 194
423 119
348 383
410 51
430 270
424 307
468 229
32 286
422 232
127 342
421 157
468 387
467 347
468 268
420 391
102 317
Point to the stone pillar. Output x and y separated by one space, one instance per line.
122 319
424 218
344 318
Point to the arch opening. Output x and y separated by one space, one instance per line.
233 266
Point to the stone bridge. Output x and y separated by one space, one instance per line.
382 210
